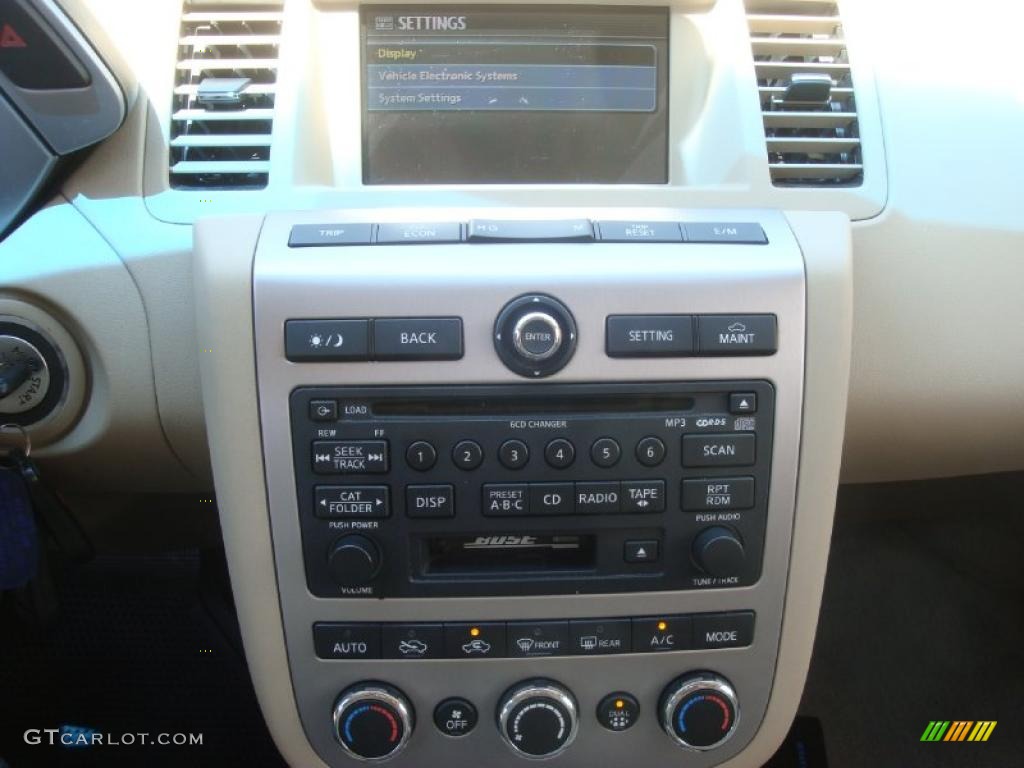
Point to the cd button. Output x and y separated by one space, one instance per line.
551 498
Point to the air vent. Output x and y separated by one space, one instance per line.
224 92
807 95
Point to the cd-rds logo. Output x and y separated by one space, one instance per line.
431 23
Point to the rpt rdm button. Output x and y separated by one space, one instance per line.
413 338
649 335
733 450
350 457
718 493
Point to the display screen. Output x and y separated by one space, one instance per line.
524 94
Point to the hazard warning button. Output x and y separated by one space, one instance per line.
31 54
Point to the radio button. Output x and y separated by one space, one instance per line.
559 453
605 452
718 493
645 551
652 635
412 641
597 638
346 641
736 450
528 639
551 498
351 501
723 630
513 454
467 455
350 457
421 456
475 641
506 499
600 498
424 501
643 496
650 451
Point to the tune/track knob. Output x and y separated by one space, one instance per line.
353 560
373 721
699 711
718 551
538 718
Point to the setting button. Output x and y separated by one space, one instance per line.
643 496
412 641
537 638
639 232
618 711
506 499
723 630
346 641
737 334
426 501
668 634
455 716
649 335
415 338
734 450
352 501
718 493
350 457
326 340
597 638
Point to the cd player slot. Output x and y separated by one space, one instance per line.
491 556
543 404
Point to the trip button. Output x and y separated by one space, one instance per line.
308 341
475 641
551 498
351 501
746 233
506 499
639 232
600 498
396 234
649 335
540 231
412 338
737 334
666 634
718 493
528 639
346 641
736 450
723 630
314 235
597 638
412 641
428 501
350 457
643 496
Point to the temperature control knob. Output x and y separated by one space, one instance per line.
699 711
718 551
353 560
373 721
538 718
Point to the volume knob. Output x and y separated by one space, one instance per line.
353 560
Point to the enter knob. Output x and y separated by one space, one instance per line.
538 718
535 335
718 551
353 560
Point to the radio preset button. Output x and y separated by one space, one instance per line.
421 456
513 454
467 455
645 551
718 493
559 453
650 451
551 498
475 641
506 499
351 501
672 633
350 457
597 638
734 450
599 498
605 452
426 501
643 496
537 638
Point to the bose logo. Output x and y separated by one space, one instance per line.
432 23
502 541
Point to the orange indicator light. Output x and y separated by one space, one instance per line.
619 703
475 632
662 626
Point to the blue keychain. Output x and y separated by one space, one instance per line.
19 536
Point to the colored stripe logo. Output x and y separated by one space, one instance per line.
959 730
